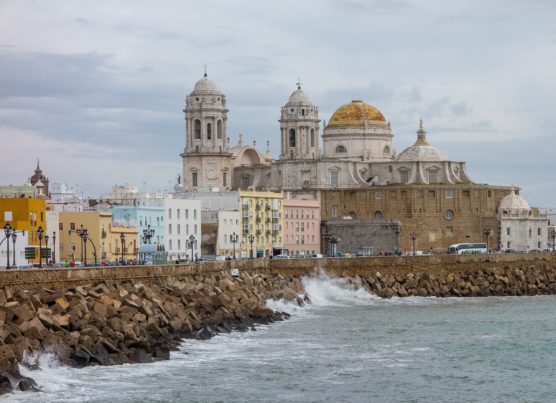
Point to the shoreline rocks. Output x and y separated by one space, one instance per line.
131 322
141 321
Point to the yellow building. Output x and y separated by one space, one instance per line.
104 240
261 223
25 214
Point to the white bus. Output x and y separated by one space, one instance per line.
465 248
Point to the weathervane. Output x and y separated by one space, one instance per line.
205 70
298 83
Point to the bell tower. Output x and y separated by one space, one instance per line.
206 158
299 128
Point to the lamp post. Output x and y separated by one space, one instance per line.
234 241
487 231
191 242
8 231
54 247
334 241
14 236
84 236
40 232
46 238
122 238
148 233
251 239
397 230
413 238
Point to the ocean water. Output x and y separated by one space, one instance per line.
347 346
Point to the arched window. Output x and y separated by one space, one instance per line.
386 150
341 149
352 214
292 138
209 131
219 130
378 215
306 184
197 129
312 137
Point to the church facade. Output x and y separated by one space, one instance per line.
355 172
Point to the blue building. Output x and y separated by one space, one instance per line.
144 215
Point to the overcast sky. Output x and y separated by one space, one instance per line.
95 89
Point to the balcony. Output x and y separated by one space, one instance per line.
103 233
259 231
257 207
267 207
258 219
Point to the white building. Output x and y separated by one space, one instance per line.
21 242
521 228
65 197
219 228
182 224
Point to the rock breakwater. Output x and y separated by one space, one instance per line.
107 323
529 280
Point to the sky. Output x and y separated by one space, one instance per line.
96 89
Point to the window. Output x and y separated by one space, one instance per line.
179 230
334 178
170 213
449 214
404 175
530 233
194 179
224 177
169 229
61 226
508 232
170 244
187 214
378 195
245 181
292 138
432 194
449 230
378 215
466 193
312 137
179 243
178 213
539 232
209 131
341 149
197 129
219 129
194 214
433 175
386 150
449 193
72 226
334 211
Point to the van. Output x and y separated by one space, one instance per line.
317 256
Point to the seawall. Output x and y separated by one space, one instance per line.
113 315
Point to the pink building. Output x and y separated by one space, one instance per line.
301 227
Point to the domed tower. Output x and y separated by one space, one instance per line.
358 131
206 159
299 127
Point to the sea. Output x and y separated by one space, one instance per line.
345 346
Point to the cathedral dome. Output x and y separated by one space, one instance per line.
206 86
422 150
356 113
514 202
298 97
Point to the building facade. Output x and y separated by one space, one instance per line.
261 214
183 228
301 227
219 230
25 216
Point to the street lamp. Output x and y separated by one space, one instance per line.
251 239
334 241
191 242
122 238
14 236
46 237
84 236
234 241
8 231
148 233
40 232
413 238
487 231
54 247
397 230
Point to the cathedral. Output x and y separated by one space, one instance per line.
356 173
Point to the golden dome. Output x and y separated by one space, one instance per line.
355 114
